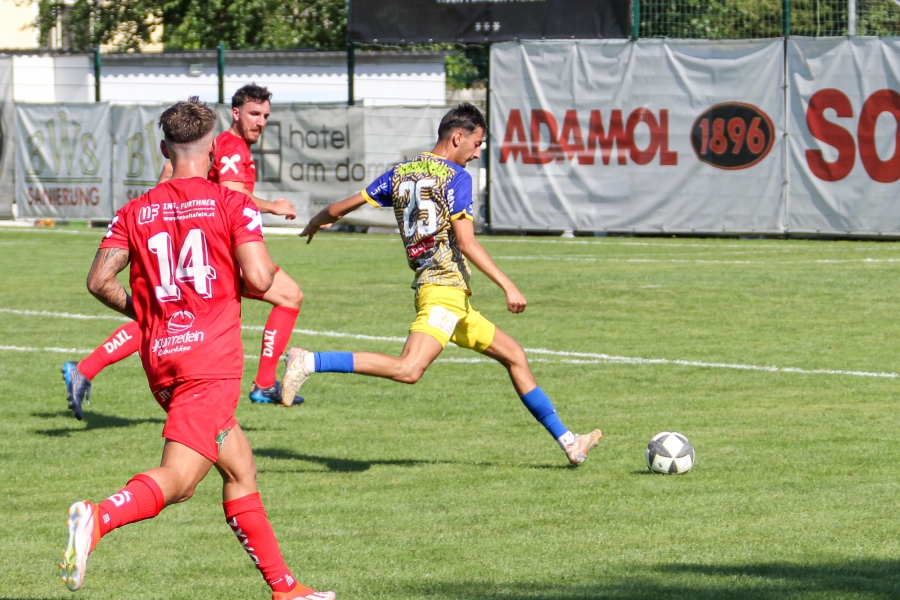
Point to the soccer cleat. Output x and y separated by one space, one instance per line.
84 532
577 450
270 395
295 373
78 388
301 592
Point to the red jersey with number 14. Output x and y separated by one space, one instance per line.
185 279
233 161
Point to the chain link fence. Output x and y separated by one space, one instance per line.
745 19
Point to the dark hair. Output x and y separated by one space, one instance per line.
251 92
465 116
187 122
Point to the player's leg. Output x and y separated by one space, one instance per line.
438 309
286 297
507 351
419 351
143 497
475 332
123 342
246 515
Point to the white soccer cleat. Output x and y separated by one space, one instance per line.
84 531
303 593
577 450
295 373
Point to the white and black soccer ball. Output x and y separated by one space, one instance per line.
670 453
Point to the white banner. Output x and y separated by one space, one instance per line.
137 159
63 161
654 136
844 166
66 166
7 149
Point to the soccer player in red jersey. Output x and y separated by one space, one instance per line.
233 168
193 246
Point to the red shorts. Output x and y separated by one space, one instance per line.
200 413
246 294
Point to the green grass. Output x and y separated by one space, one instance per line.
448 489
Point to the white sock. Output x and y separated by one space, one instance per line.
309 360
566 439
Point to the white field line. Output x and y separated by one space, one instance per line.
698 261
285 233
575 358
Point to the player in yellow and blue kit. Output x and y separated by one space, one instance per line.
432 200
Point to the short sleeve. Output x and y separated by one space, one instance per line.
232 162
379 192
246 220
116 234
459 196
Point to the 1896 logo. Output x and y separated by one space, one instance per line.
732 135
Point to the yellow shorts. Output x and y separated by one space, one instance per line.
445 314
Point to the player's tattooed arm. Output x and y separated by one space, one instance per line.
103 284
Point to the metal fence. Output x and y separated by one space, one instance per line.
747 19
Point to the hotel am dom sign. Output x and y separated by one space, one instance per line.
480 21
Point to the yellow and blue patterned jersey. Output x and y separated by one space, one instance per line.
427 193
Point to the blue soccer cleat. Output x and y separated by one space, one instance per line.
78 388
270 395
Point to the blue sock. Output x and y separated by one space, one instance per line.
333 362
540 407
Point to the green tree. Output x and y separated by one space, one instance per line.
254 24
86 23
189 25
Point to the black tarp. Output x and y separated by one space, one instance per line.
397 21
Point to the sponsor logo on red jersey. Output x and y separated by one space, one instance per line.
180 322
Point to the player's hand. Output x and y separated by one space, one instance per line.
283 207
515 301
312 228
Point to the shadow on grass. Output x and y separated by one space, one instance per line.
349 465
873 579
91 421
341 465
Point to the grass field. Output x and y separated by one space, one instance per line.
778 359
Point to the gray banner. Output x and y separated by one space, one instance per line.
7 148
137 159
63 161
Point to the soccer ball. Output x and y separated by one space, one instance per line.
670 453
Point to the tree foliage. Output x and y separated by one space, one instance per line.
743 19
191 25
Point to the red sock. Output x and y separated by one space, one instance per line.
248 520
140 499
124 341
276 336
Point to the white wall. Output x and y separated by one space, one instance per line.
53 78
304 77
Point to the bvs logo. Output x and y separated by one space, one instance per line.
64 140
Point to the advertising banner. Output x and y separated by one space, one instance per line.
63 159
844 132
654 136
137 159
7 149
428 21
86 161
